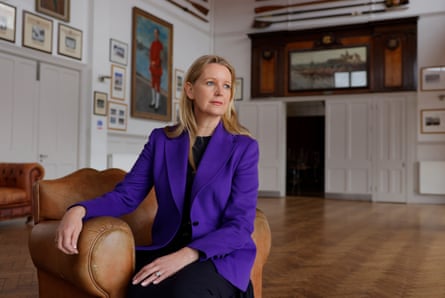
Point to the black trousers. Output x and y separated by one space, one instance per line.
197 280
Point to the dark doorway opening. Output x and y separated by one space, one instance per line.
305 155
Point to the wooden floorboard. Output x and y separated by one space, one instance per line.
320 248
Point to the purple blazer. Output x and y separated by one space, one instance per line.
223 197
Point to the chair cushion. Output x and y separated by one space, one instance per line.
11 195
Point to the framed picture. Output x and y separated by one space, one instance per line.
152 51
328 69
70 42
118 79
179 83
100 103
433 121
37 32
433 78
117 115
118 52
176 111
238 89
7 22
59 9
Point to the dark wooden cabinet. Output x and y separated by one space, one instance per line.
391 56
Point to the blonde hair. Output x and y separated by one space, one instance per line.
187 120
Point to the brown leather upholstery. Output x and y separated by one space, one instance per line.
106 260
16 181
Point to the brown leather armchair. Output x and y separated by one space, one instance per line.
16 181
105 263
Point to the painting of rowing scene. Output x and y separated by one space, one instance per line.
328 69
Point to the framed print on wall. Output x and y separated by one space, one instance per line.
152 52
433 121
117 116
118 51
179 83
433 78
118 79
37 32
7 22
70 42
100 103
59 9
238 89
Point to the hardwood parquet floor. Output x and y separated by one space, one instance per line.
320 248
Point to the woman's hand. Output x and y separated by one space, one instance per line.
165 266
69 229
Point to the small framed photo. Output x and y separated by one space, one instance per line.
59 9
117 115
70 42
118 79
100 103
7 22
433 121
37 32
179 83
176 111
238 89
433 78
118 52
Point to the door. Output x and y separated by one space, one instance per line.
58 120
18 107
390 151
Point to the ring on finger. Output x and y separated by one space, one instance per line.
158 273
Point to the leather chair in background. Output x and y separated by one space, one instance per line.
105 264
16 181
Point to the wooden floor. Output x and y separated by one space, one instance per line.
321 248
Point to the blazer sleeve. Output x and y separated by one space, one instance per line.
131 191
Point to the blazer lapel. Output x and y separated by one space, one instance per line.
216 155
176 159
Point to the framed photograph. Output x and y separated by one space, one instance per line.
7 22
118 79
117 115
37 32
152 49
118 52
328 69
433 78
70 42
100 103
59 9
433 121
176 111
179 83
238 89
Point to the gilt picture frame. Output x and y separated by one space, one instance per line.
118 79
59 9
117 116
70 42
151 78
37 32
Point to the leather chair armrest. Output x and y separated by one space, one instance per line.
105 260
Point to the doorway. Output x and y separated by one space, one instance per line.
305 149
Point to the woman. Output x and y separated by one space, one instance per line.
205 172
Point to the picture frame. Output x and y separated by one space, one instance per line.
151 86
176 111
327 69
118 79
118 52
179 83
100 103
70 42
8 16
433 78
238 89
59 9
37 32
432 121
117 116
